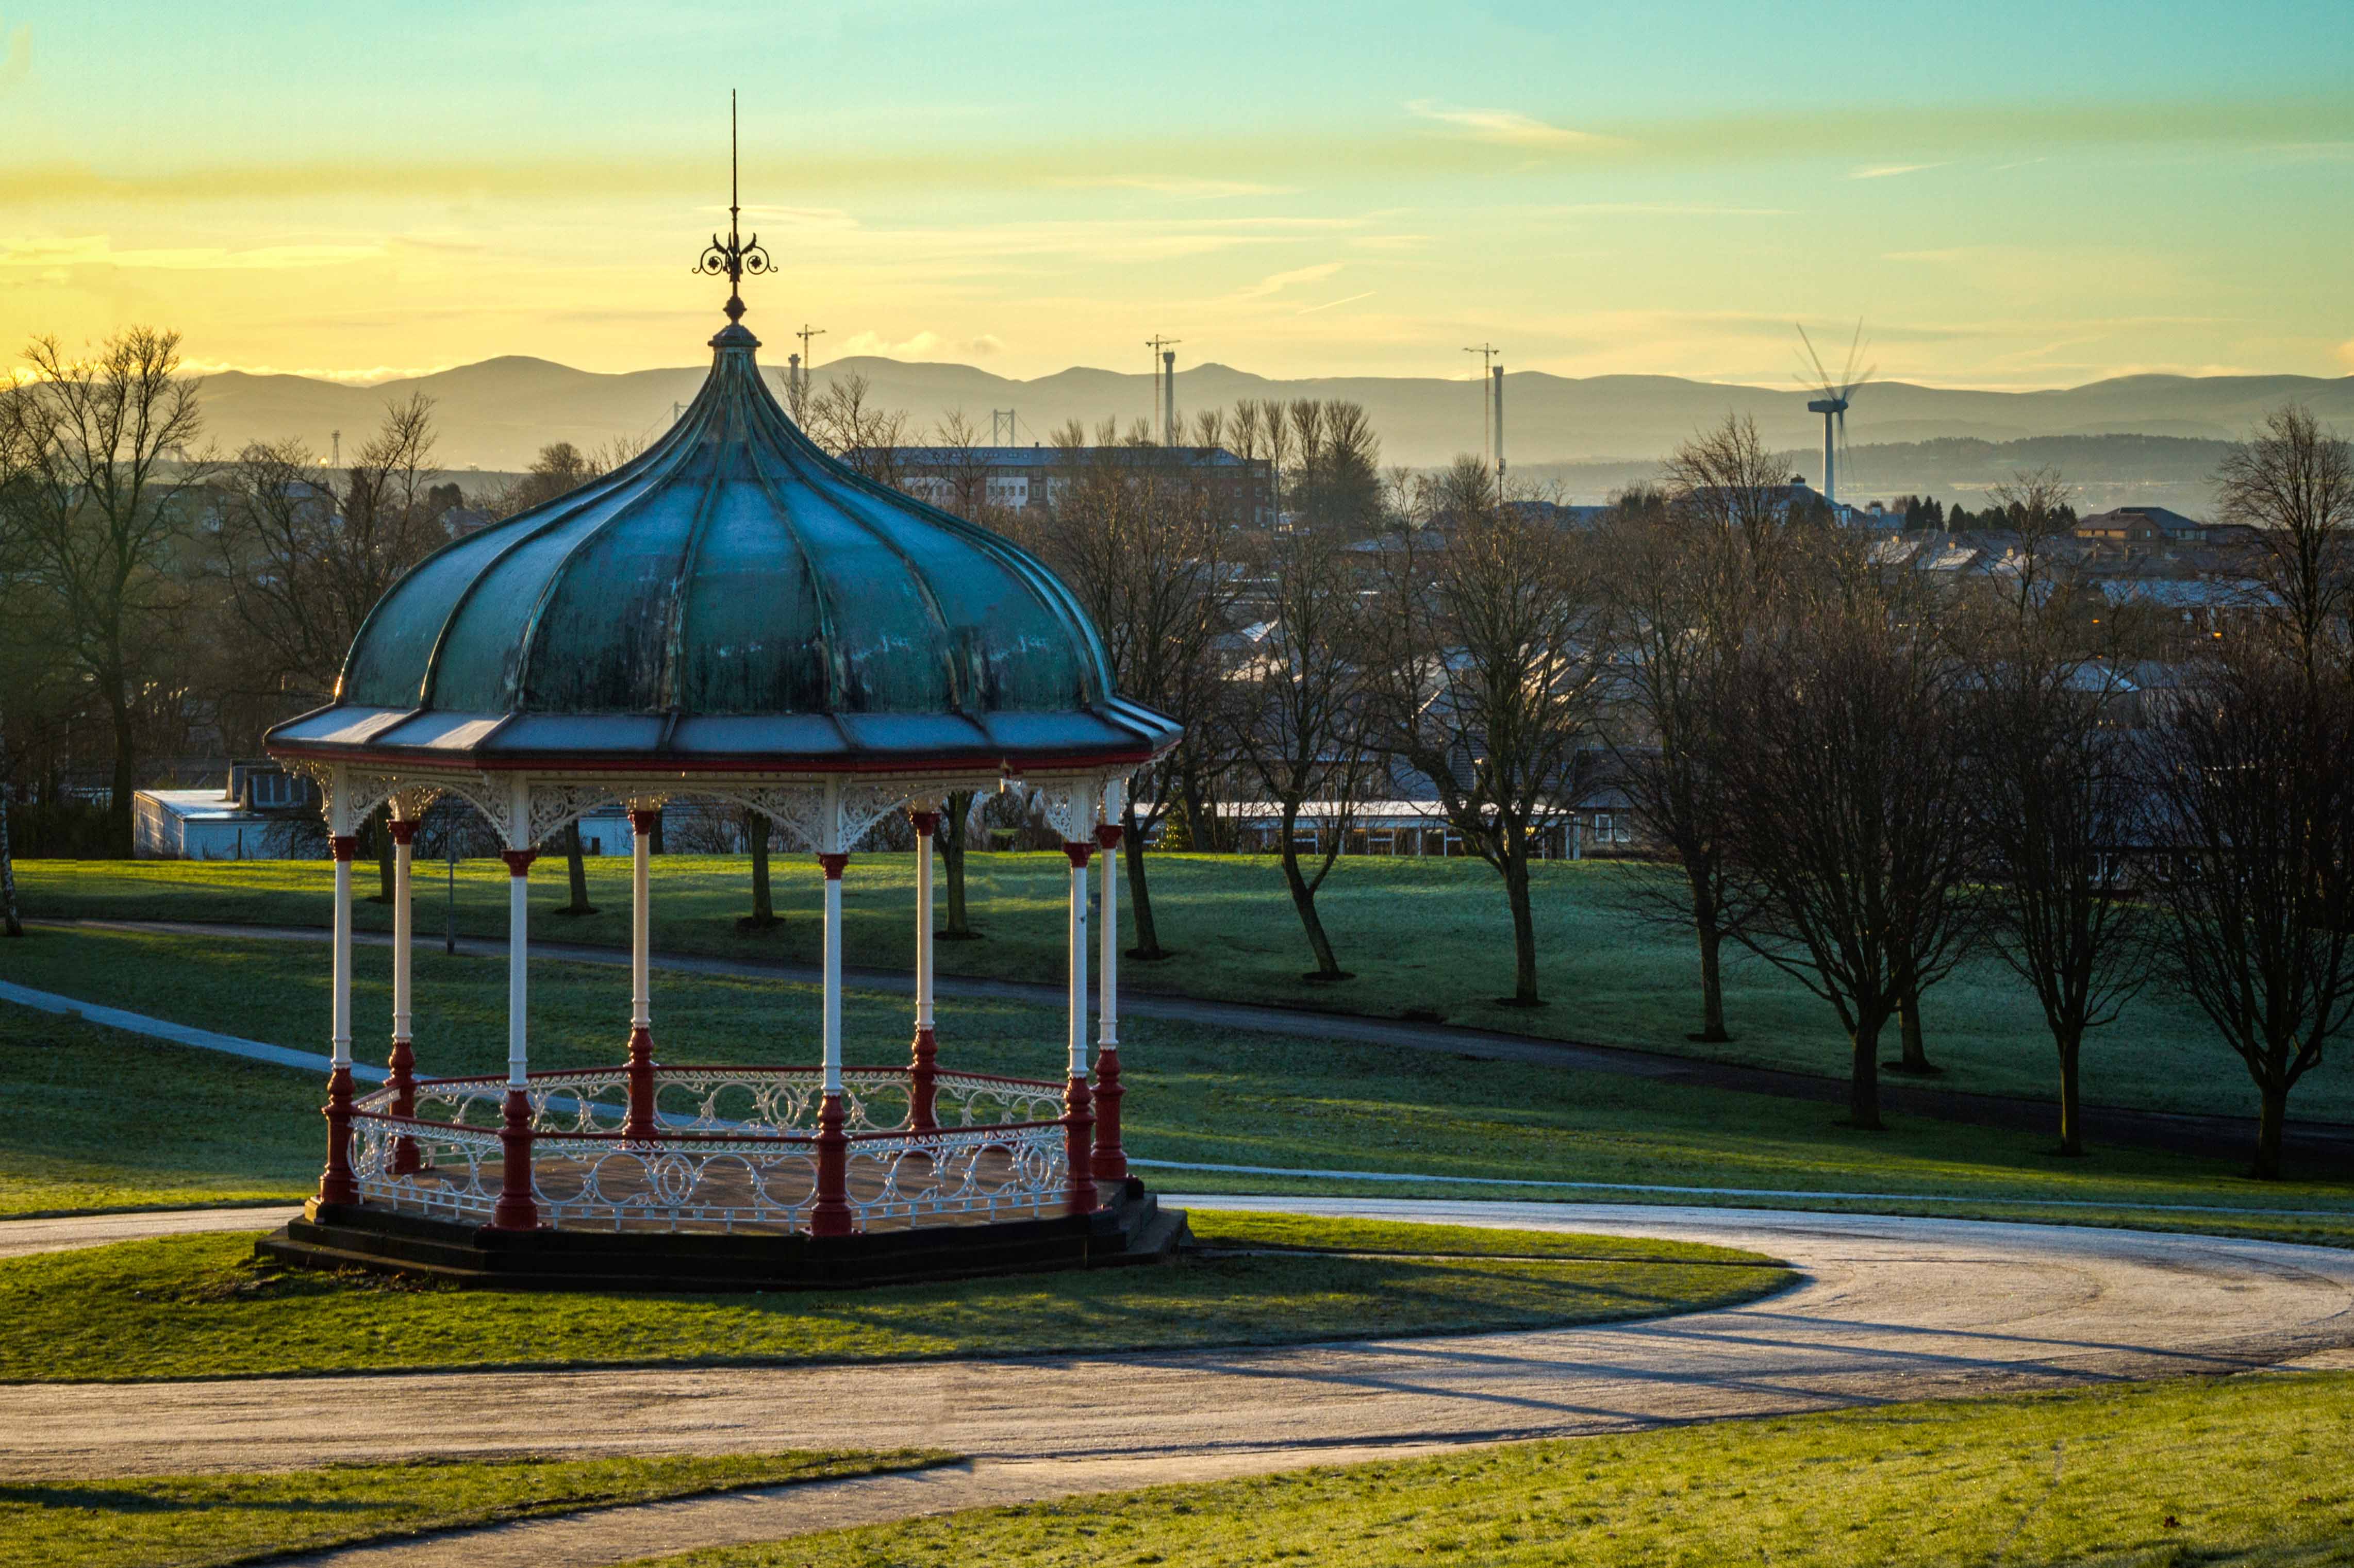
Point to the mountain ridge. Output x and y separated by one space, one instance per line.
496 414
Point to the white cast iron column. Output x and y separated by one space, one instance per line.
640 1121
337 1183
831 1214
923 1064
516 1209
403 1061
1110 1158
1078 1113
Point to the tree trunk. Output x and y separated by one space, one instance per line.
1139 898
120 840
764 906
654 839
1712 967
1524 928
2072 1131
378 824
1916 1055
1303 898
951 840
1864 1081
2270 1118
576 871
13 923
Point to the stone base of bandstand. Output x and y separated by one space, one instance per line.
1131 1228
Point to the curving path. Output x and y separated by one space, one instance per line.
1889 1309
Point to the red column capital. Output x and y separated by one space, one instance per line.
343 846
835 863
404 832
1108 836
518 860
927 822
1080 852
643 820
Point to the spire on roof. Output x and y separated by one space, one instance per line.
735 256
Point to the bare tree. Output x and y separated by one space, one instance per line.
303 564
1692 570
560 469
956 820
1299 718
97 499
1850 845
961 464
10 919
843 419
764 905
2249 768
2061 802
2294 483
1484 679
2039 504
1141 541
2257 809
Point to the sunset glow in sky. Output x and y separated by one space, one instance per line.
2007 194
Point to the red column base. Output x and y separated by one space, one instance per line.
1110 1159
336 1182
640 1122
516 1209
1078 1131
402 1079
923 1077
831 1216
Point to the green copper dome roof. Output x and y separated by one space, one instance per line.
734 594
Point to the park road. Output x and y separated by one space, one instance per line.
1888 1308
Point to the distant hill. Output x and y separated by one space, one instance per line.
497 413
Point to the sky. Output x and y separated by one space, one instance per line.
2003 193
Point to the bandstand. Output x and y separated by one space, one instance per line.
733 616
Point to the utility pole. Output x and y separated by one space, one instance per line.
1164 368
1490 408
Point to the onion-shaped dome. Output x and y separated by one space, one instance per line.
732 597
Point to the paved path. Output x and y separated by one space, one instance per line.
1889 1309
2329 1145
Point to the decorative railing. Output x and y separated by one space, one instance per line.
734 1148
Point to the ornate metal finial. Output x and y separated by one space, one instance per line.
734 257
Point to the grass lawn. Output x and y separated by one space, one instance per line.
212 1128
1195 1095
196 1307
195 1522
2247 1472
1418 934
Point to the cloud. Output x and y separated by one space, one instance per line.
1659 209
2346 353
1352 299
1886 171
1178 187
1506 128
1276 283
16 64
923 346
98 250
367 375
795 218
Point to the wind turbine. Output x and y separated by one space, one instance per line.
1833 404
